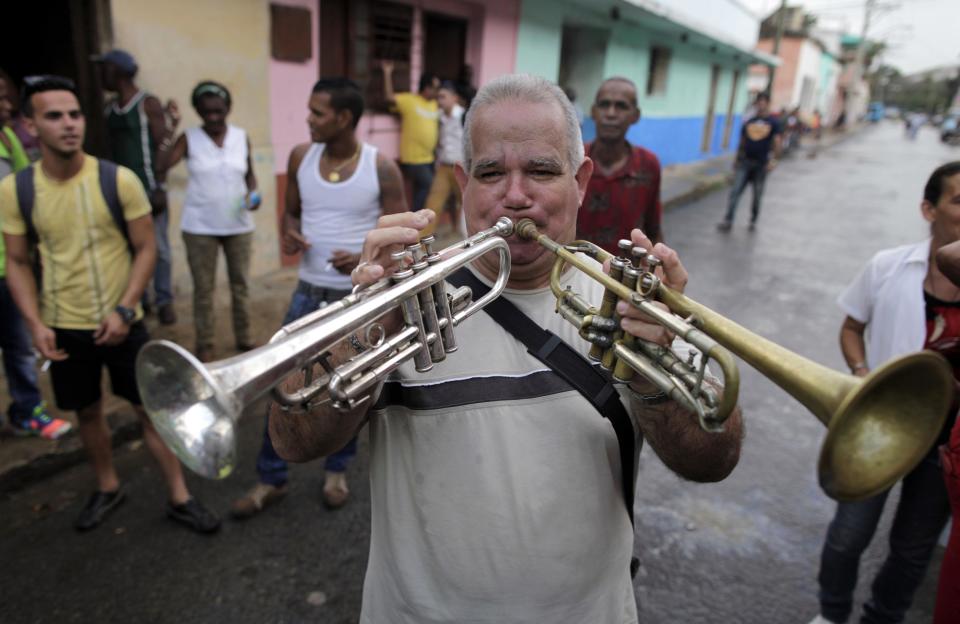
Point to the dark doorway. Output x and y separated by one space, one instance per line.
444 45
63 36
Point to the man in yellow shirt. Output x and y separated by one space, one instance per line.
419 130
88 315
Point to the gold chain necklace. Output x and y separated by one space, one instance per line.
334 175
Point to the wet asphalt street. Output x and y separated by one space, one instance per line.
743 551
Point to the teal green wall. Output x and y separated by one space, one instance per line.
538 39
628 54
672 121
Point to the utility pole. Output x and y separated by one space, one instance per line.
781 18
853 93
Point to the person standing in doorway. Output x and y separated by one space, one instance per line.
91 220
27 413
136 124
449 152
908 304
337 189
624 190
760 145
221 193
419 130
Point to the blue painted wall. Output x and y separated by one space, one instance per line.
676 139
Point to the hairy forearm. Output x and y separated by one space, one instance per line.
302 434
684 447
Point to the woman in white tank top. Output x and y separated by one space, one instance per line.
221 192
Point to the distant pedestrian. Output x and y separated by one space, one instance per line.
337 189
136 124
444 189
948 589
757 154
419 130
624 190
221 192
91 219
27 413
908 305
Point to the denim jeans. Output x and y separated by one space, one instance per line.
921 515
162 288
270 466
420 178
754 173
19 362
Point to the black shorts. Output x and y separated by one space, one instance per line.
76 380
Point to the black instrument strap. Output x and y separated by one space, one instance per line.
570 366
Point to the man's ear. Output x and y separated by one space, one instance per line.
928 210
31 127
583 177
461 176
344 118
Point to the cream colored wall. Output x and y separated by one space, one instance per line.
178 43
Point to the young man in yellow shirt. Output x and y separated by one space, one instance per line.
88 314
419 130
27 414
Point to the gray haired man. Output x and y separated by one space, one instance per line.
474 462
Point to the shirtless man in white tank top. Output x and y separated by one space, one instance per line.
337 189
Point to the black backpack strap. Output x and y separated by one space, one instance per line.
26 192
571 367
108 187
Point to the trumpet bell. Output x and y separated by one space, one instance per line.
883 427
192 417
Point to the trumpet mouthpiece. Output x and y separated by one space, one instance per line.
527 229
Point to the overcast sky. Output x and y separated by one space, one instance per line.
921 33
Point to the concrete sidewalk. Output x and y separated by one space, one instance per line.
23 460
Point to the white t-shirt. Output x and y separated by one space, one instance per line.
496 489
887 296
450 150
215 201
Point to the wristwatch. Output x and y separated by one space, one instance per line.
127 315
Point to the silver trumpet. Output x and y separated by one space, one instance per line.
195 406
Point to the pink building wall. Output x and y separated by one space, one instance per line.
290 85
491 50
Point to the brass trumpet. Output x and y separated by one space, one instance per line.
879 426
195 406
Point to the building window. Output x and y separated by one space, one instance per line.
659 66
291 37
709 119
356 35
731 109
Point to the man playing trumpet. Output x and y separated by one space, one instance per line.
473 462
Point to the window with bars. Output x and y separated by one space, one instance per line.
659 67
356 35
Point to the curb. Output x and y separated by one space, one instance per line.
65 455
